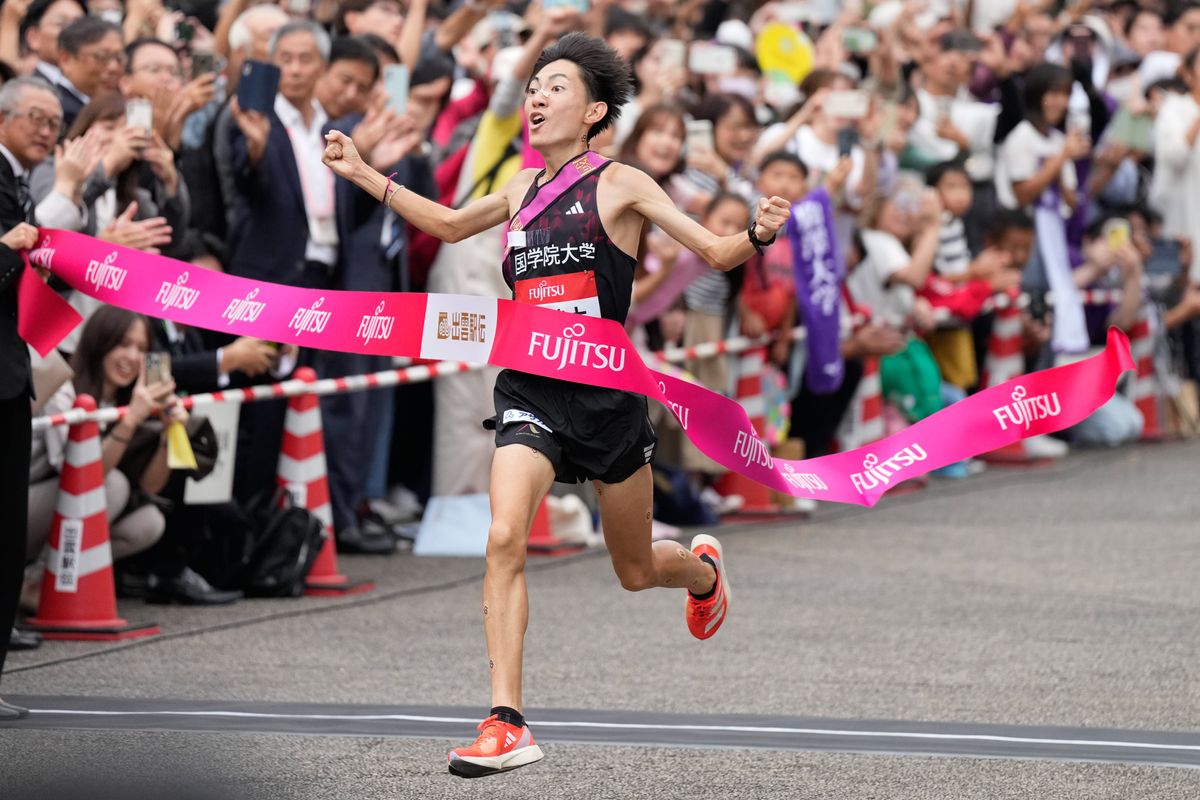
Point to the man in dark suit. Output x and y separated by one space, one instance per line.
284 221
91 55
30 118
43 22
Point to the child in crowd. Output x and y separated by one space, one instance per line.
768 299
960 284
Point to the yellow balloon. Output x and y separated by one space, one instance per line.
782 48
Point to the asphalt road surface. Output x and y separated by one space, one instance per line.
1024 633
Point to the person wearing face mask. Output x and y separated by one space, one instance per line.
577 226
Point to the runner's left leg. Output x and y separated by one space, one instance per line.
625 511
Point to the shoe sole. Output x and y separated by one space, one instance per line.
711 541
480 767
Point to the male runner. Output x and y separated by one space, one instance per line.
549 430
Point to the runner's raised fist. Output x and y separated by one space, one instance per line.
341 155
772 214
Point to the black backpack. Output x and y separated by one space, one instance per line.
287 541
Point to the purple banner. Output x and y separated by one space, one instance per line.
819 271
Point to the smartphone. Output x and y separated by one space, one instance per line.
671 54
847 104
1117 232
712 59
395 83
158 368
299 8
699 135
203 64
139 113
184 31
847 140
258 86
860 40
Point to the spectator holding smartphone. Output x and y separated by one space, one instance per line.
109 365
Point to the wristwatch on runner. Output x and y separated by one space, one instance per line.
754 240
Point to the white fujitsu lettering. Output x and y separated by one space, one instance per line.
177 294
245 309
105 274
311 319
1023 410
880 473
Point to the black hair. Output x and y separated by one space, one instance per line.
1187 67
1006 219
138 44
715 106
723 196
604 73
1129 23
84 31
618 20
350 6
783 156
1040 81
382 47
37 9
938 171
352 48
102 333
1178 13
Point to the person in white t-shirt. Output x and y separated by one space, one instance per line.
1175 190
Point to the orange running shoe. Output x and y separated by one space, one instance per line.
704 617
499 748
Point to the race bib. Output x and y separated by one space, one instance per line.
574 293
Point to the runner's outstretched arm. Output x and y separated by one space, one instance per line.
447 224
647 198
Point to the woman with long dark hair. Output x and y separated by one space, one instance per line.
109 365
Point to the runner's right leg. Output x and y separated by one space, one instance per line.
521 476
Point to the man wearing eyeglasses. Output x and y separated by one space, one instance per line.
40 27
91 55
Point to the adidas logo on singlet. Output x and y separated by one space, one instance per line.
575 209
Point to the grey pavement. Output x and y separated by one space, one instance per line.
1063 596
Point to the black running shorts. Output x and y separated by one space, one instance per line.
587 432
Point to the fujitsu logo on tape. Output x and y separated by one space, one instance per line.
177 294
460 326
876 472
1025 410
105 274
311 319
753 449
44 254
679 409
570 349
546 290
376 326
245 309
803 480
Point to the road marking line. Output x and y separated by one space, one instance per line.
655 726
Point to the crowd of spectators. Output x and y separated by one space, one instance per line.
967 148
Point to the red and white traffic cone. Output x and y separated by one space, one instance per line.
78 599
303 474
1005 360
542 540
757 498
1147 391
